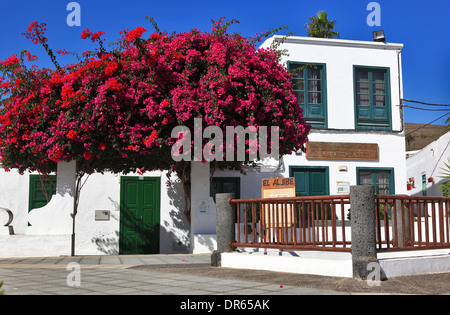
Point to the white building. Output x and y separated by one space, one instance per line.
352 96
349 90
425 168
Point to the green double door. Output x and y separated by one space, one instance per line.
139 215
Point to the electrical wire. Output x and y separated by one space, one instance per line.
429 109
424 103
426 109
428 123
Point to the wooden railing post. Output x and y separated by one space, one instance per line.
403 225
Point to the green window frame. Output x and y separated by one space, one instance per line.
310 88
372 95
42 188
382 178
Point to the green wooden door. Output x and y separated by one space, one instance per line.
139 216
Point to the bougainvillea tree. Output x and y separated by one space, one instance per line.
114 110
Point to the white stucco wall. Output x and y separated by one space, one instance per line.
429 161
102 192
14 196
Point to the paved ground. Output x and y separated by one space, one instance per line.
184 275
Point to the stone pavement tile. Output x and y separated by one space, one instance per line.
17 283
301 291
224 281
93 285
183 283
213 289
153 275
30 261
106 260
147 287
90 260
93 293
21 292
163 281
145 293
49 261
276 287
171 290
250 291
250 284
116 282
226 289
119 291
196 292
133 284
95 275
207 281
9 261
68 260
125 260
64 290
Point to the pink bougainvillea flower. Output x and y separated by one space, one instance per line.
116 109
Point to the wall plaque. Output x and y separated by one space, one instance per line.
342 151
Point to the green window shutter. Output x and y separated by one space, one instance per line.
372 98
309 85
310 181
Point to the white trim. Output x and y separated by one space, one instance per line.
339 42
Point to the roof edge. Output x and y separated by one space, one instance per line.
338 42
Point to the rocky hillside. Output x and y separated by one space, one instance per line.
419 136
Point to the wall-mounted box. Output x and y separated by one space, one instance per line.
102 215
343 168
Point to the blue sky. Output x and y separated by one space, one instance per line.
422 26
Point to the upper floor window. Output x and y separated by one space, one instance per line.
309 85
372 98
